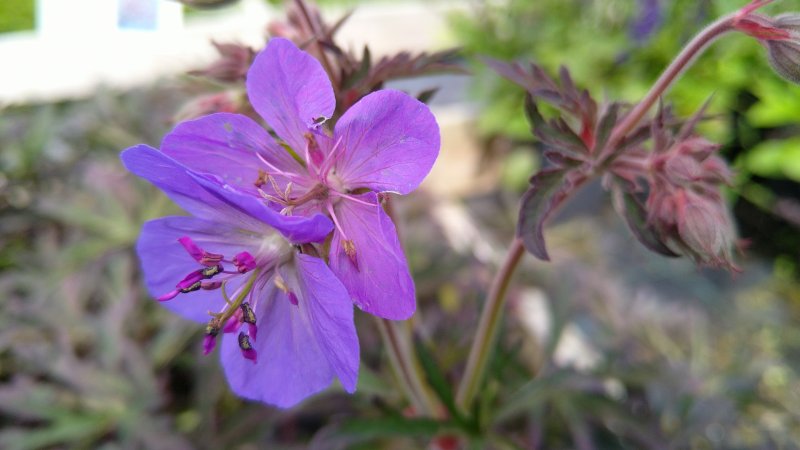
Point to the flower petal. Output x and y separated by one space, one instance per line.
379 282
229 146
297 229
290 90
213 200
165 261
389 142
301 347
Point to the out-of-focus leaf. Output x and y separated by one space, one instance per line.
630 207
556 136
605 126
437 380
69 429
775 158
357 431
547 190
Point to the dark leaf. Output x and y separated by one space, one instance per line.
354 78
605 127
426 95
630 207
555 136
547 190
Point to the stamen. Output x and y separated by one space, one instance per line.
313 153
350 251
331 160
247 348
203 257
351 198
277 171
336 223
244 262
281 284
249 317
210 339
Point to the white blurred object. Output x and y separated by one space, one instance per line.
573 349
81 44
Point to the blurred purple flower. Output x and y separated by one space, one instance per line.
243 270
648 20
387 142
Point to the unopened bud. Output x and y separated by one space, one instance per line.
781 36
706 230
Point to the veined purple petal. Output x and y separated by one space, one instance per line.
165 261
380 282
297 229
331 316
290 90
229 146
301 347
177 182
389 142
213 200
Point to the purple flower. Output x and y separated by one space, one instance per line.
387 142
288 318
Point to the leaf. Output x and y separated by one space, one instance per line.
346 434
630 207
605 127
555 135
547 190
437 380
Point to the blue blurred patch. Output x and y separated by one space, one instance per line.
137 14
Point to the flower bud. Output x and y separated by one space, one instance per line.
781 37
706 230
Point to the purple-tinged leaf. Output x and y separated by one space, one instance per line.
555 135
547 190
630 207
605 127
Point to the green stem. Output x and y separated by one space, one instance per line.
404 362
405 367
487 328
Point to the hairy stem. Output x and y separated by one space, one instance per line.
681 62
492 310
487 328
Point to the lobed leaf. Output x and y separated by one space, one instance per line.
547 190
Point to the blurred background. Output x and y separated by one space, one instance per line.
607 347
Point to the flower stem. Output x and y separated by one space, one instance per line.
487 328
406 366
670 74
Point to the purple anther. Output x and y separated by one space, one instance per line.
244 262
203 257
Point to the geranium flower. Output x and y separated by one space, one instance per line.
387 142
289 318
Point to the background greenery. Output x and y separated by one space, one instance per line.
677 357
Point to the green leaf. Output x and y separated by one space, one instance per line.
438 382
775 159
357 431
